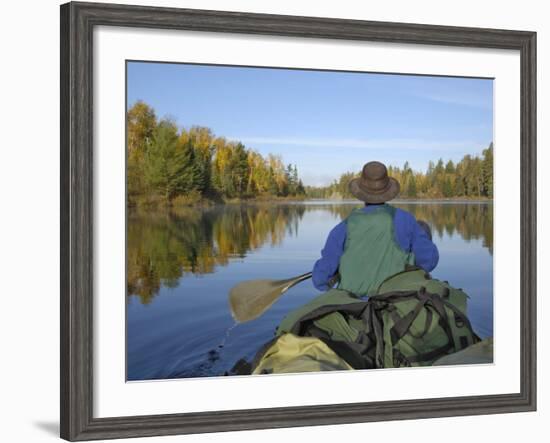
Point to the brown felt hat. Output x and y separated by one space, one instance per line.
374 185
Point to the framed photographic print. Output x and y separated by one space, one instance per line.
272 221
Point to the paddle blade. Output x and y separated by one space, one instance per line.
250 299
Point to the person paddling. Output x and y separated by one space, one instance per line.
374 242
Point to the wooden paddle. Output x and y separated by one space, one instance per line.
250 299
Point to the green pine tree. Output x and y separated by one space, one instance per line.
411 191
169 171
487 171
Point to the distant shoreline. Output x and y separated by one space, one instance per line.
205 203
423 200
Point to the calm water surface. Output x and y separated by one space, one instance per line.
181 265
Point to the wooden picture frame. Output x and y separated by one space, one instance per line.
77 23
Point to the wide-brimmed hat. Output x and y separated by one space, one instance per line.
374 185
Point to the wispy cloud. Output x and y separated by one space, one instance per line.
463 99
398 143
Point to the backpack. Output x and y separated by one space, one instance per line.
413 320
289 353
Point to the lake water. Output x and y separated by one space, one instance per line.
181 265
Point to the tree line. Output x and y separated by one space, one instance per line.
167 164
471 177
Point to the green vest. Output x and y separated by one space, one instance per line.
371 254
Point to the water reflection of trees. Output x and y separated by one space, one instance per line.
163 246
472 221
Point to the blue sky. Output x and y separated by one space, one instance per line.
326 123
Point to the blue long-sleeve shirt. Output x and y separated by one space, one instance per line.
408 235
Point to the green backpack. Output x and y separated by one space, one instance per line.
412 321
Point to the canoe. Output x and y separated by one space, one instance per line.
478 353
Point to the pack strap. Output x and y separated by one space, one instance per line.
408 268
427 324
301 325
438 304
402 326
431 355
346 352
390 297
374 327
355 354
461 316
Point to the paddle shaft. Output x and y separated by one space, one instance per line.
296 280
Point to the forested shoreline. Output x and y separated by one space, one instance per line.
169 165
470 178
172 166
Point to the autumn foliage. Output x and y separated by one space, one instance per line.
170 165
471 177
